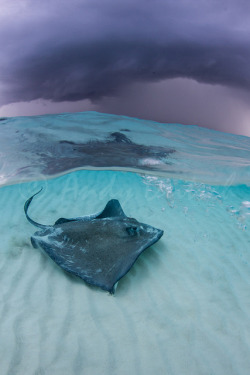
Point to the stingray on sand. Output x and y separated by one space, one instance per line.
99 248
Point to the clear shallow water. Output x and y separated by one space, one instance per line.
39 147
183 307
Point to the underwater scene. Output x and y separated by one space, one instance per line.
182 301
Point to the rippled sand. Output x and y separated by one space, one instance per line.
184 308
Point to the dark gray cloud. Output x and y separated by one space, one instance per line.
68 51
183 101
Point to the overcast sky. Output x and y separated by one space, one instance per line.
179 61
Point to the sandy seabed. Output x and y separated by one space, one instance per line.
184 307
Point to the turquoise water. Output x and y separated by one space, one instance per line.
42 147
184 306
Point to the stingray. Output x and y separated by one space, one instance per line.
99 248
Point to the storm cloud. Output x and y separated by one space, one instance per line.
69 51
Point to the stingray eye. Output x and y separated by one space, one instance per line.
132 231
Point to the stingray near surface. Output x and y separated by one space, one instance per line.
99 248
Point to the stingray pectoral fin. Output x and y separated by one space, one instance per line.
63 220
112 209
26 206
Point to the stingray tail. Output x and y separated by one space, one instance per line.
26 206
